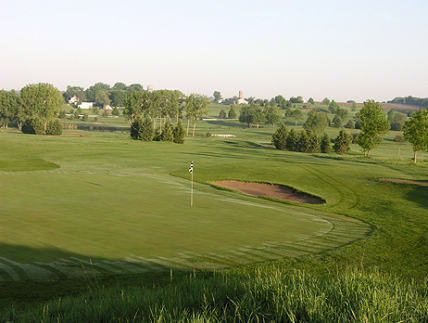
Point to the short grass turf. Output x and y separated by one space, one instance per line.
104 197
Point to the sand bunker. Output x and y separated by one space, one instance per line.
275 191
403 181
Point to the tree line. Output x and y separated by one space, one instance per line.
410 100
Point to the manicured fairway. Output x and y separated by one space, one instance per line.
109 203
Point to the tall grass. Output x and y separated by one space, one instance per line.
276 296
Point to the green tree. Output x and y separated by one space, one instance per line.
373 123
136 87
398 122
341 113
119 86
316 121
167 133
332 107
232 113
247 114
95 110
292 141
54 128
178 133
326 101
303 141
258 118
337 122
41 100
311 101
272 115
117 98
325 143
350 124
416 131
217 96
296 114
115 112
102 98
314 143
222 114
390 115
142 129
279 137
85 117
354 107
342 142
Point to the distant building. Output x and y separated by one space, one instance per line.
74 99
241 98
86 105
150 89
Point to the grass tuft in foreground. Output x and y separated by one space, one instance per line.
295 296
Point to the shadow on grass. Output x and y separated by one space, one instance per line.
23 282
418 195
224 123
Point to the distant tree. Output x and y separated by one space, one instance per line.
41 100
342 142
135 88
217 96
167 133
95 110
178 133
200 105
325 143
354 107
341 113
296 114
115 112
76 114
281 101
54 128
258 118
117 98
316 121
373 123
350 124
311 101
62 114
326 101
350 101
279 138
272 115
119 86
247 114
102 98
222 114
410 114
333 106
105 113
299 99
390 115
337 122
232 113
398 122
85 117
416 131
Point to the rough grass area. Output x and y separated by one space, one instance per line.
275 296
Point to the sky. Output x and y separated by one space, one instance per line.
340 49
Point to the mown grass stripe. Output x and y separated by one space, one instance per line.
15 266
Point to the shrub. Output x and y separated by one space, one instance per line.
54 128
337 122
85 117
115 112
142 129
62 114
355 138
208 134
232 113
399 138
222 114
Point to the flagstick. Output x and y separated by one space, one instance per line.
191 195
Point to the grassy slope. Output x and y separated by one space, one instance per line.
397 212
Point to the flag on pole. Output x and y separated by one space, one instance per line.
191 168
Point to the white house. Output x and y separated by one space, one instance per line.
86 105
74 99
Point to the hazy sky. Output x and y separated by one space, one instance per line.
340 49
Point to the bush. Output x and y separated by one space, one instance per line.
62 114
85 117
350 125
167 134
208 134
325 143
33 126
142 129
399 138
222 114
232 113
337 122
54 128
